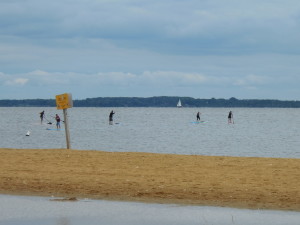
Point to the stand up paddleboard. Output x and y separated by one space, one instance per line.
197 122
52 129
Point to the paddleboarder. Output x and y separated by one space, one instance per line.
57 118
230 117
111 117
42 115
198 116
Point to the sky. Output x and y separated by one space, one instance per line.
141 48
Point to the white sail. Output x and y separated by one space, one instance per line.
179 103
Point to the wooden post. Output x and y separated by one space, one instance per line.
67 129
65 101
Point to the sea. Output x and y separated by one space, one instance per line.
255 132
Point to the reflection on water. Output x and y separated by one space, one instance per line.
20 210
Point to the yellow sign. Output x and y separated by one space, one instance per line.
64 101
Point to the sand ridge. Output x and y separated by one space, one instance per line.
265 183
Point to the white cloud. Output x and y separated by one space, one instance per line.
121 79
16 82
147 78
129 46
170 78
251 80
214 25
113 78
44 84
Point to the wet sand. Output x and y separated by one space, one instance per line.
241 182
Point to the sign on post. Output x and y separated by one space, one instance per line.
64 101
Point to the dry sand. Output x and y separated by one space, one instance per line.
265 183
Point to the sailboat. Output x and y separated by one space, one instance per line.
179 104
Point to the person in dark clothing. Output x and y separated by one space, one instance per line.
42 115
230 117
198 116
111 117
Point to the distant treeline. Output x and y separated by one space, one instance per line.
154 102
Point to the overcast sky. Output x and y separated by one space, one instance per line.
196 48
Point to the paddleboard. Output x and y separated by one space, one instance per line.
52 129
196 122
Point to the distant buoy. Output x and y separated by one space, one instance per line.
28 133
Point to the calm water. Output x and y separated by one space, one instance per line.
16 210
256 132
262 132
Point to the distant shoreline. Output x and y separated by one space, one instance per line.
239 182
163 101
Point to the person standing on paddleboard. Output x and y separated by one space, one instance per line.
198 116
111 117
230 117
57 118
42 116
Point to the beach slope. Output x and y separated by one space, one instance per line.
242 182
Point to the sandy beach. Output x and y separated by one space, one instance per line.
241 182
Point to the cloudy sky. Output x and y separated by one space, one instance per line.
196 48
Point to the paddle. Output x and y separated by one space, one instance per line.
48 121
